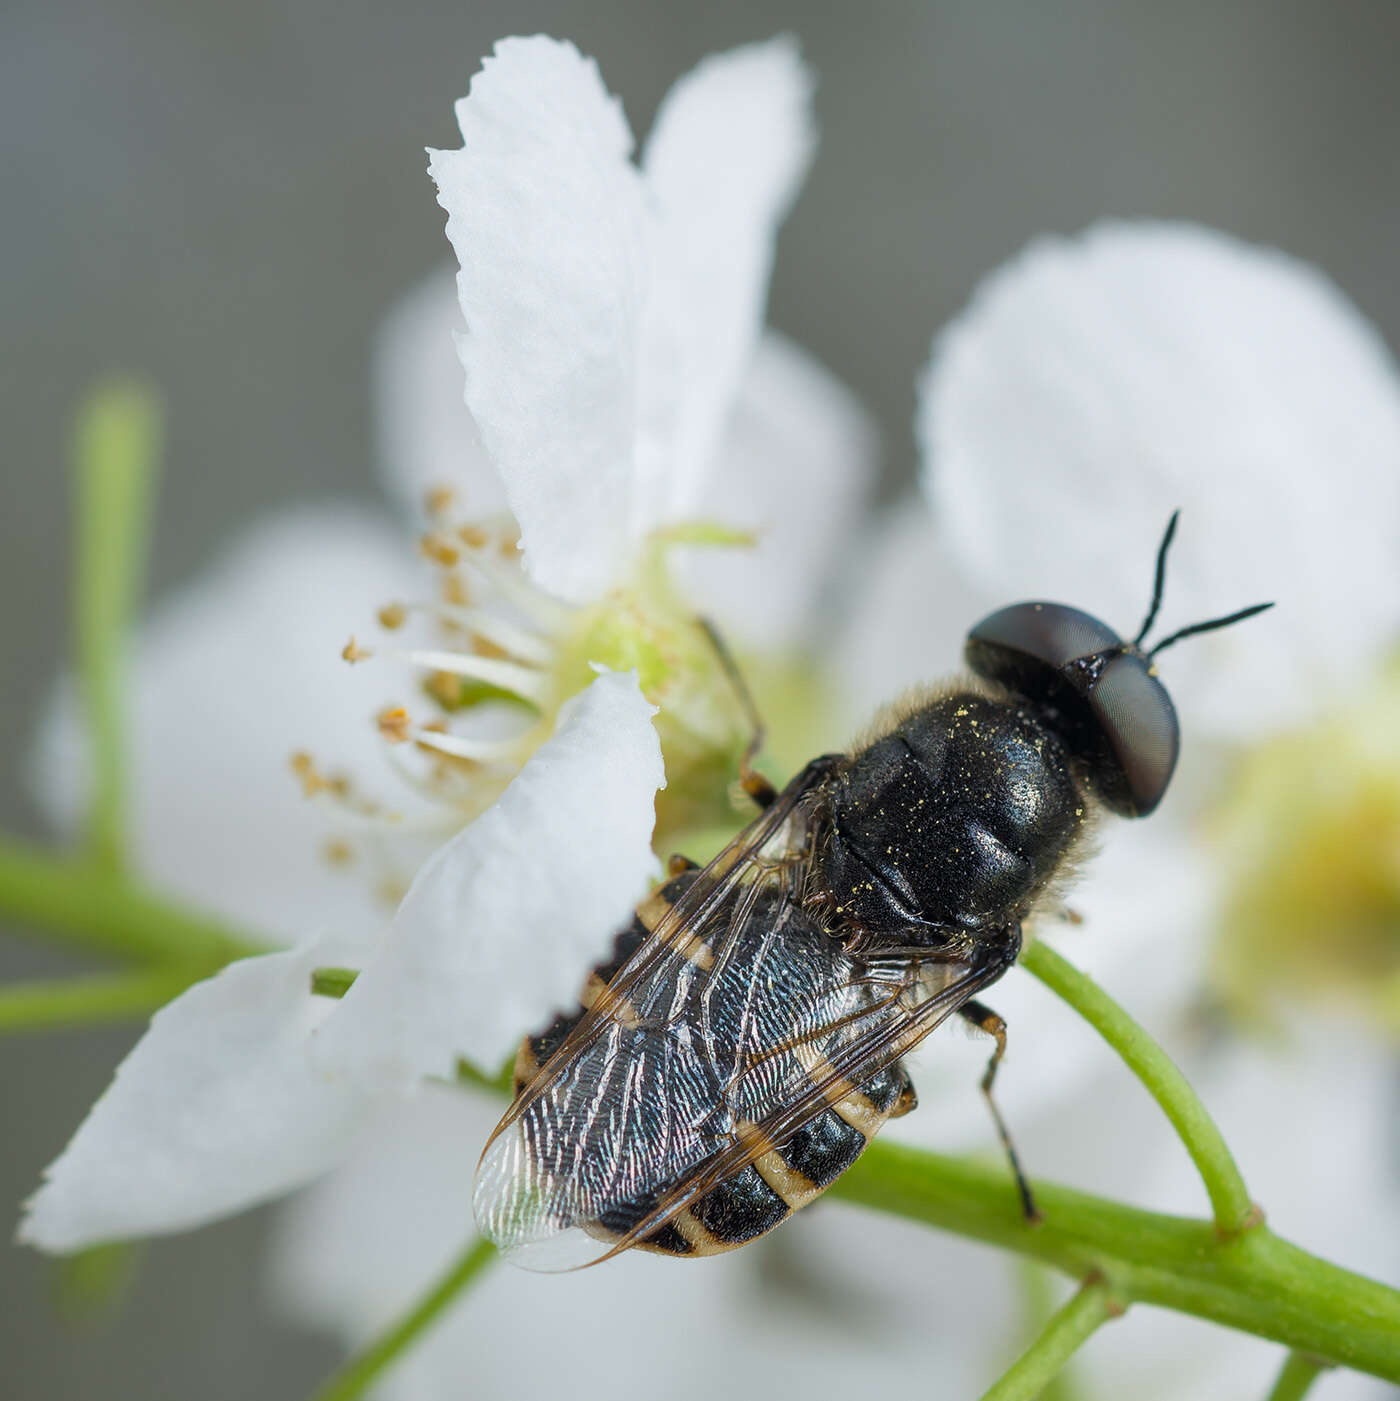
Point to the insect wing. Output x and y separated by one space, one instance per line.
733 1026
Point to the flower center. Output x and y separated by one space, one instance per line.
494 659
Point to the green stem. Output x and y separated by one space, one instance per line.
1255 1282
359 1372
69 1002
1296 1377
1068 1328
1229 1198
92 908
115 451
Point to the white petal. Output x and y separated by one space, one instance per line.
724 161
545 213
231 675
905 611
795 466
403 1192
1097 383
427 438
217 1108
503 923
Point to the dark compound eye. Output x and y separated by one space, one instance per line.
1113 711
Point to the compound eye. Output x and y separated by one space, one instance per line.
1053 634
1139 722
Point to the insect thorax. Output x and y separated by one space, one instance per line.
957 818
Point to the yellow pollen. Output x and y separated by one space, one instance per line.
339 853
392 616
352 652
304 767
439 551
393 724
391 890
484 647
444 688
455 591
438 500
472 536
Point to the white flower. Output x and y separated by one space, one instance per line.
506 915
1093 386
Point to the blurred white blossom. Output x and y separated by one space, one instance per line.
1093 386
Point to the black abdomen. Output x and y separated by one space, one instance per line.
781 1177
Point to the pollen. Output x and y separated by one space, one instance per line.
304 767
393 724
474 537
439 550
338 853
437 501
392 616
352 652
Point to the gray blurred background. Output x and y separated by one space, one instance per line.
229 197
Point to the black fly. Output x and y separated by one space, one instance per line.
743 1045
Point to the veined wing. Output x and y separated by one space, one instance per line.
734 1025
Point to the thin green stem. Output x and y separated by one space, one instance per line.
1230 1201
353 1379
91 908
1255 1282
1069 1327
1296 1377
70 1002
1039 1286
115 452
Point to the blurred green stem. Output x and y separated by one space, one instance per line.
116 449
86 906
1296 1377
1255 1282
361 1371
1229 1198
67 1002
1033 1372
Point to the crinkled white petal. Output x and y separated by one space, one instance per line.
427 439
795 467
546 214
730 147
786 1322
216 1109
502 924
1097 383
231 675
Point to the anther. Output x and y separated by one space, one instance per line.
529 685
438 501
392 616
352 652
393 724
439 551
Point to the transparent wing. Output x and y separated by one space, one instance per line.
735 1023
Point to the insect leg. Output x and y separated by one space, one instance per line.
753 783
984 1019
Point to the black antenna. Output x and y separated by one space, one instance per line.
1161 579
1210 626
